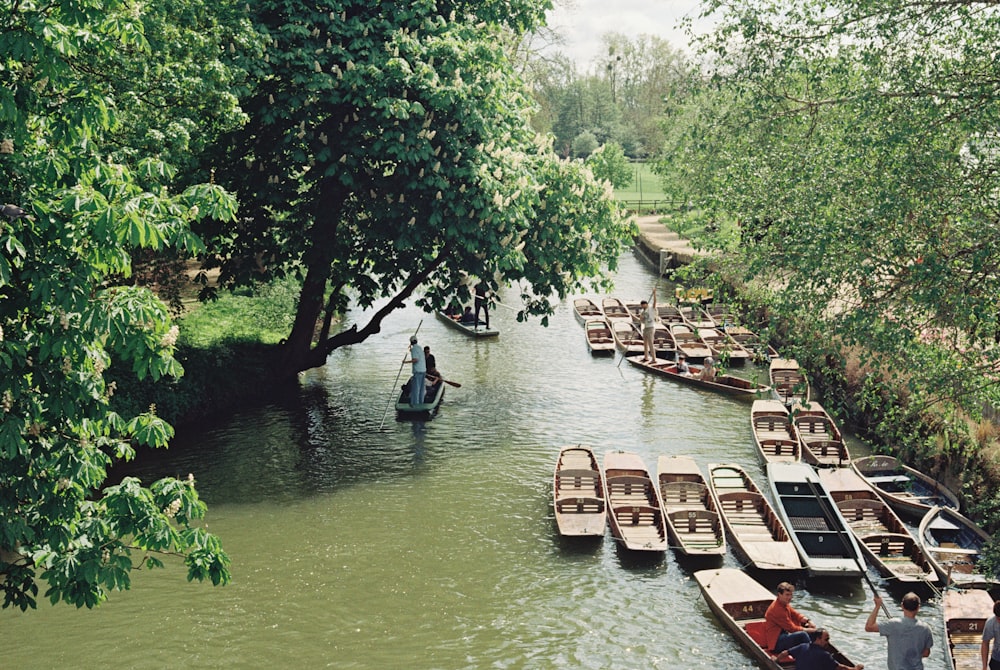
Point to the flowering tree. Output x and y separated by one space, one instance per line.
388 149
73 215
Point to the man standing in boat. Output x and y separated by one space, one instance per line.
910 640
419 372
784 626
815 655
482 288
648 315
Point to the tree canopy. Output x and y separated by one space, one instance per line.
388 148
855 143
82 195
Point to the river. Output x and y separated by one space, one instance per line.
432 544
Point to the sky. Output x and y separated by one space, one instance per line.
582 22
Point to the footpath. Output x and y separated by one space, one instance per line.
663 249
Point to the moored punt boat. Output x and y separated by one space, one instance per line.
693 522
635 514
952 543
773 432
696 317
663 342
826 545
965 614
615 309
751 341
432 401
821 441
599 337
728 384
724 348
884 539
740 601
722 313
477 329
688 342
788 380
578 493
627 336
669 314
757 533
909 491
586 309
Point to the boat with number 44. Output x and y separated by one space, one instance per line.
578 493
740 601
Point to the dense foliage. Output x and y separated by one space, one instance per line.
388 148
83 194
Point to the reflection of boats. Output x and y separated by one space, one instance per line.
965 613
740 603
754 527
884 539
615 309
909 491
586 309
599 337
578 493
432 400
788 380
773 432
723 348
634 511
953 543
688 342
821 441
818 530
627 336
477 329
728 384
692 516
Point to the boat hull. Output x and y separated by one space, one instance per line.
470 329
578 493
635 512
726 384
909 491
693 521
432 395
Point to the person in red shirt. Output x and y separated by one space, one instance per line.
785 627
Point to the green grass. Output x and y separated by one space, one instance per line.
645 185
265 316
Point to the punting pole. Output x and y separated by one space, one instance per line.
393 394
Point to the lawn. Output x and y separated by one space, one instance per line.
645 193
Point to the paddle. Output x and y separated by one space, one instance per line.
392 395
450 383
831 521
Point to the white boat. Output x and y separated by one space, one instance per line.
819 531
953 543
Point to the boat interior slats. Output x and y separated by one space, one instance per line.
779 448
580 505
625 489
680 494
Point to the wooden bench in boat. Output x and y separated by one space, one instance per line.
573 482
777 447
888 479
639 521
630 489
697 528
814 428
684 495
580 505
864 516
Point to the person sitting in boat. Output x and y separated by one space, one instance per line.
468 316
682 365
815 655
784 627
433 376
708 372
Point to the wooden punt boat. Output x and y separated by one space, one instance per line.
432 401
477 329
965 614
615 309
696 317
633 503
599 338
740 601
628 338
578 493
663 342
693 522
757 534
788 380
821 441
751 341
669 314
727 384
819 531
586 310
722 313
885 541
773 432
953 542
908 491
724 348
688 342
634 308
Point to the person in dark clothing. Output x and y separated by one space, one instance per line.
482 288
815 654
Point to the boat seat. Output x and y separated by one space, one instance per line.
580 505
757 630
637 516
625 488
683 493
696 522
573 481
861 510
888 479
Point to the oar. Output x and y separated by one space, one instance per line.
391 396
831 520
451 383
